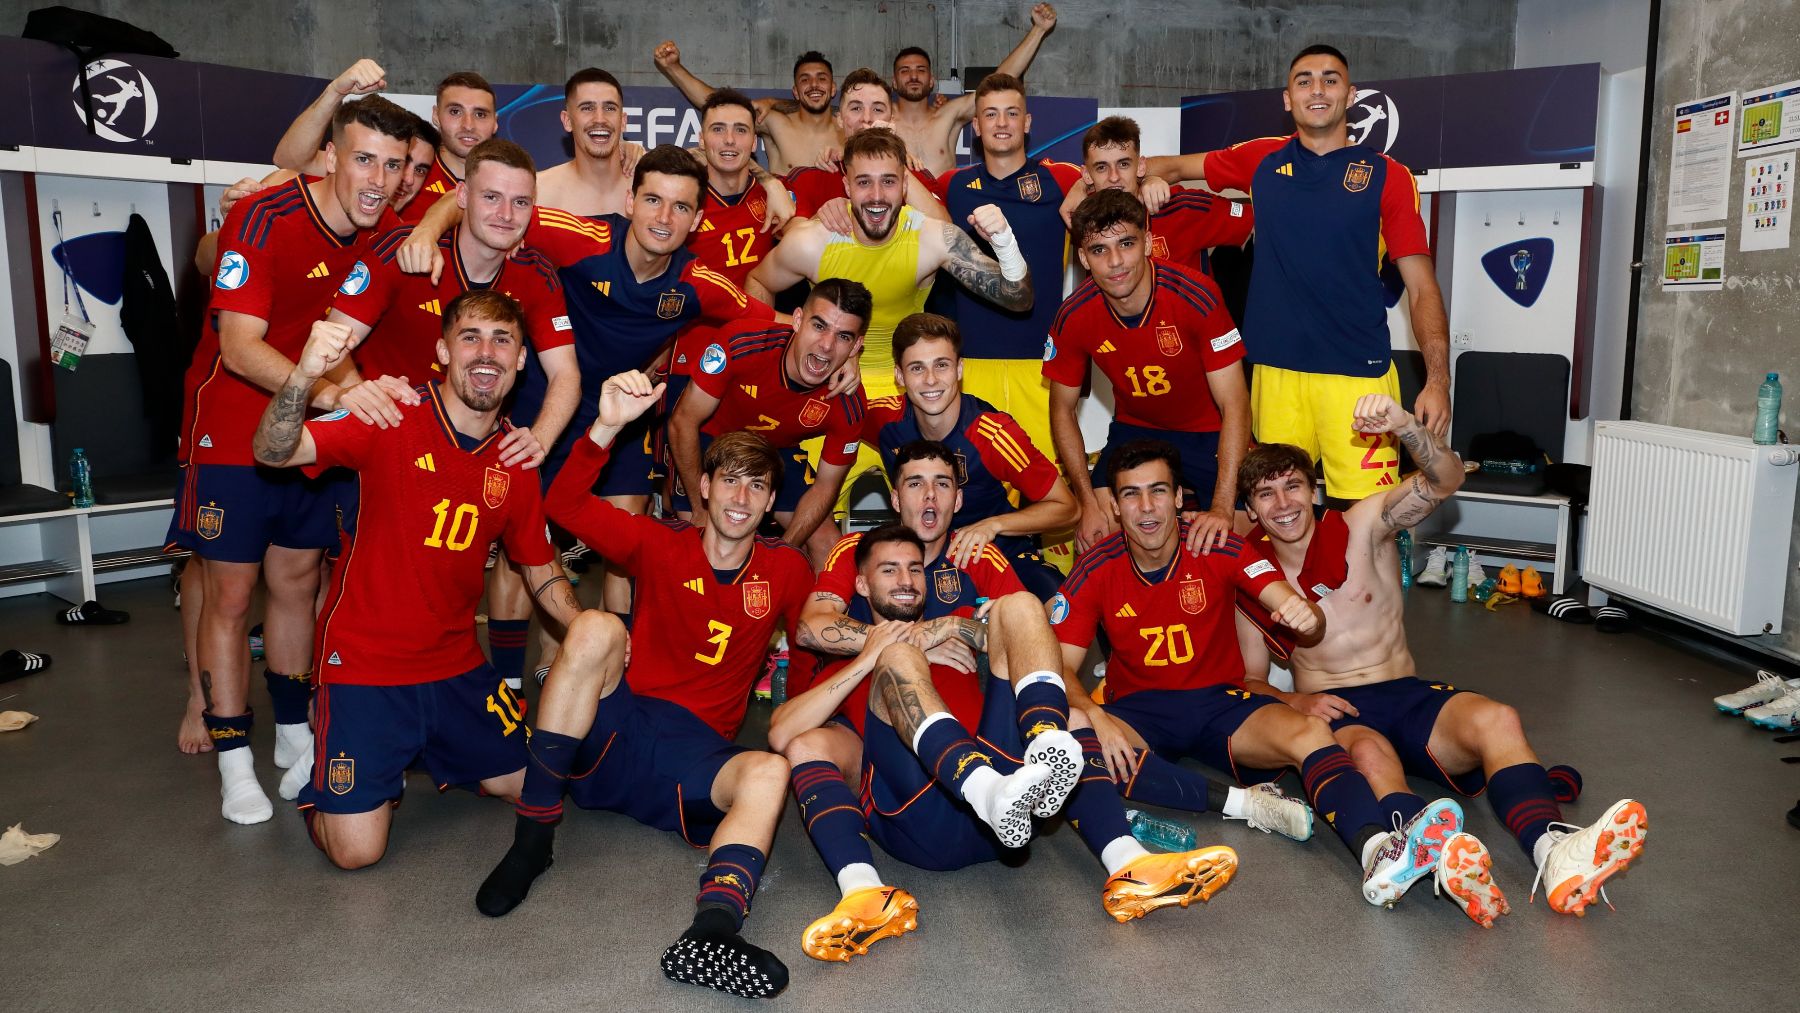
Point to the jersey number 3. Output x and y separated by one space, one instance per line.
721 637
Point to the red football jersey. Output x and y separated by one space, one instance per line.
730 239
406 311
1169 630
1324 570
699 639
1158 362
745 368
948 591
405 592
280 263
811 187
1194 221
438 182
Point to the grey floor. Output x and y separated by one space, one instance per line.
151 901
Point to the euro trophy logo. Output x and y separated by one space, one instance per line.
1521 263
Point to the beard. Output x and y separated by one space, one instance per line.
887 609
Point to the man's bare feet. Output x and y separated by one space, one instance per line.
192 738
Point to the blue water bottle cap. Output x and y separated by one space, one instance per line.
1774 376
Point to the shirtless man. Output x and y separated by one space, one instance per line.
1360 675
798 130
597 179
930 132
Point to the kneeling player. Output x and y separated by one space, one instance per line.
1175 683
1360 676
387 686
658 746
923 771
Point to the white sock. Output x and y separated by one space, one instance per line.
291 743
1036 677
1370 845
514 683
858 876
1120 853
1237 803
979 787
1541 850
296 777
930 719
242 798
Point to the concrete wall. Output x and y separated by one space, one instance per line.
1122 52
1701 355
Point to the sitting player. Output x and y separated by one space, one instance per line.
774 379
1175 683
921 758
993 453
657 746
1360 676
388 688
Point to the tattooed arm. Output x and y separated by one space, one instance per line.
978 272
938 631
553 593
827 628
1440 471
814 707
281 439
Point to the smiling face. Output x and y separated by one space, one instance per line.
365 172
496 200
1318 93
464 118
813 87
876 186
736 502
864 106
1001 122
1148 502
1283 505
926 497
594 116
892 580
825 337
931 372
419 157
1115 258
481 359
728 138
664 210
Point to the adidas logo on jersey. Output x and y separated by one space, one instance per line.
1126 612
206 441
334 659
437 187
1105 346
696 585
425 463
748 388
432 307
975 184
603 287
1287 169
319 271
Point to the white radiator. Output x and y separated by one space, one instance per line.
1696 524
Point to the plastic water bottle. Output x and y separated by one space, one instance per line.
1404 542
778 678
1169 835
1768 411
1486 589
1459 575
81 478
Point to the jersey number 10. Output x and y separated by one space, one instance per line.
462 526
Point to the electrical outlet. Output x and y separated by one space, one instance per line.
1462 339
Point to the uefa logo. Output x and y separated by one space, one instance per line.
1374 120
124 101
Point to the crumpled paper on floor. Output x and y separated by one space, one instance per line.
16 845
12 721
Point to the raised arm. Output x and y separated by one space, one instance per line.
1440 471
1005 282
300 146
668 60
281 439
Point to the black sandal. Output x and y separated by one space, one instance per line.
1564 609
92 613
14 664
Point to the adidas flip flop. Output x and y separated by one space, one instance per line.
1611 619
1564 609
16 663
92 613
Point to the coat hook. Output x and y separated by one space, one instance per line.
55 206
1487 220
1556 218
96 209
1521 218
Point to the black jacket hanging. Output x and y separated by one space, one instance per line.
147 313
